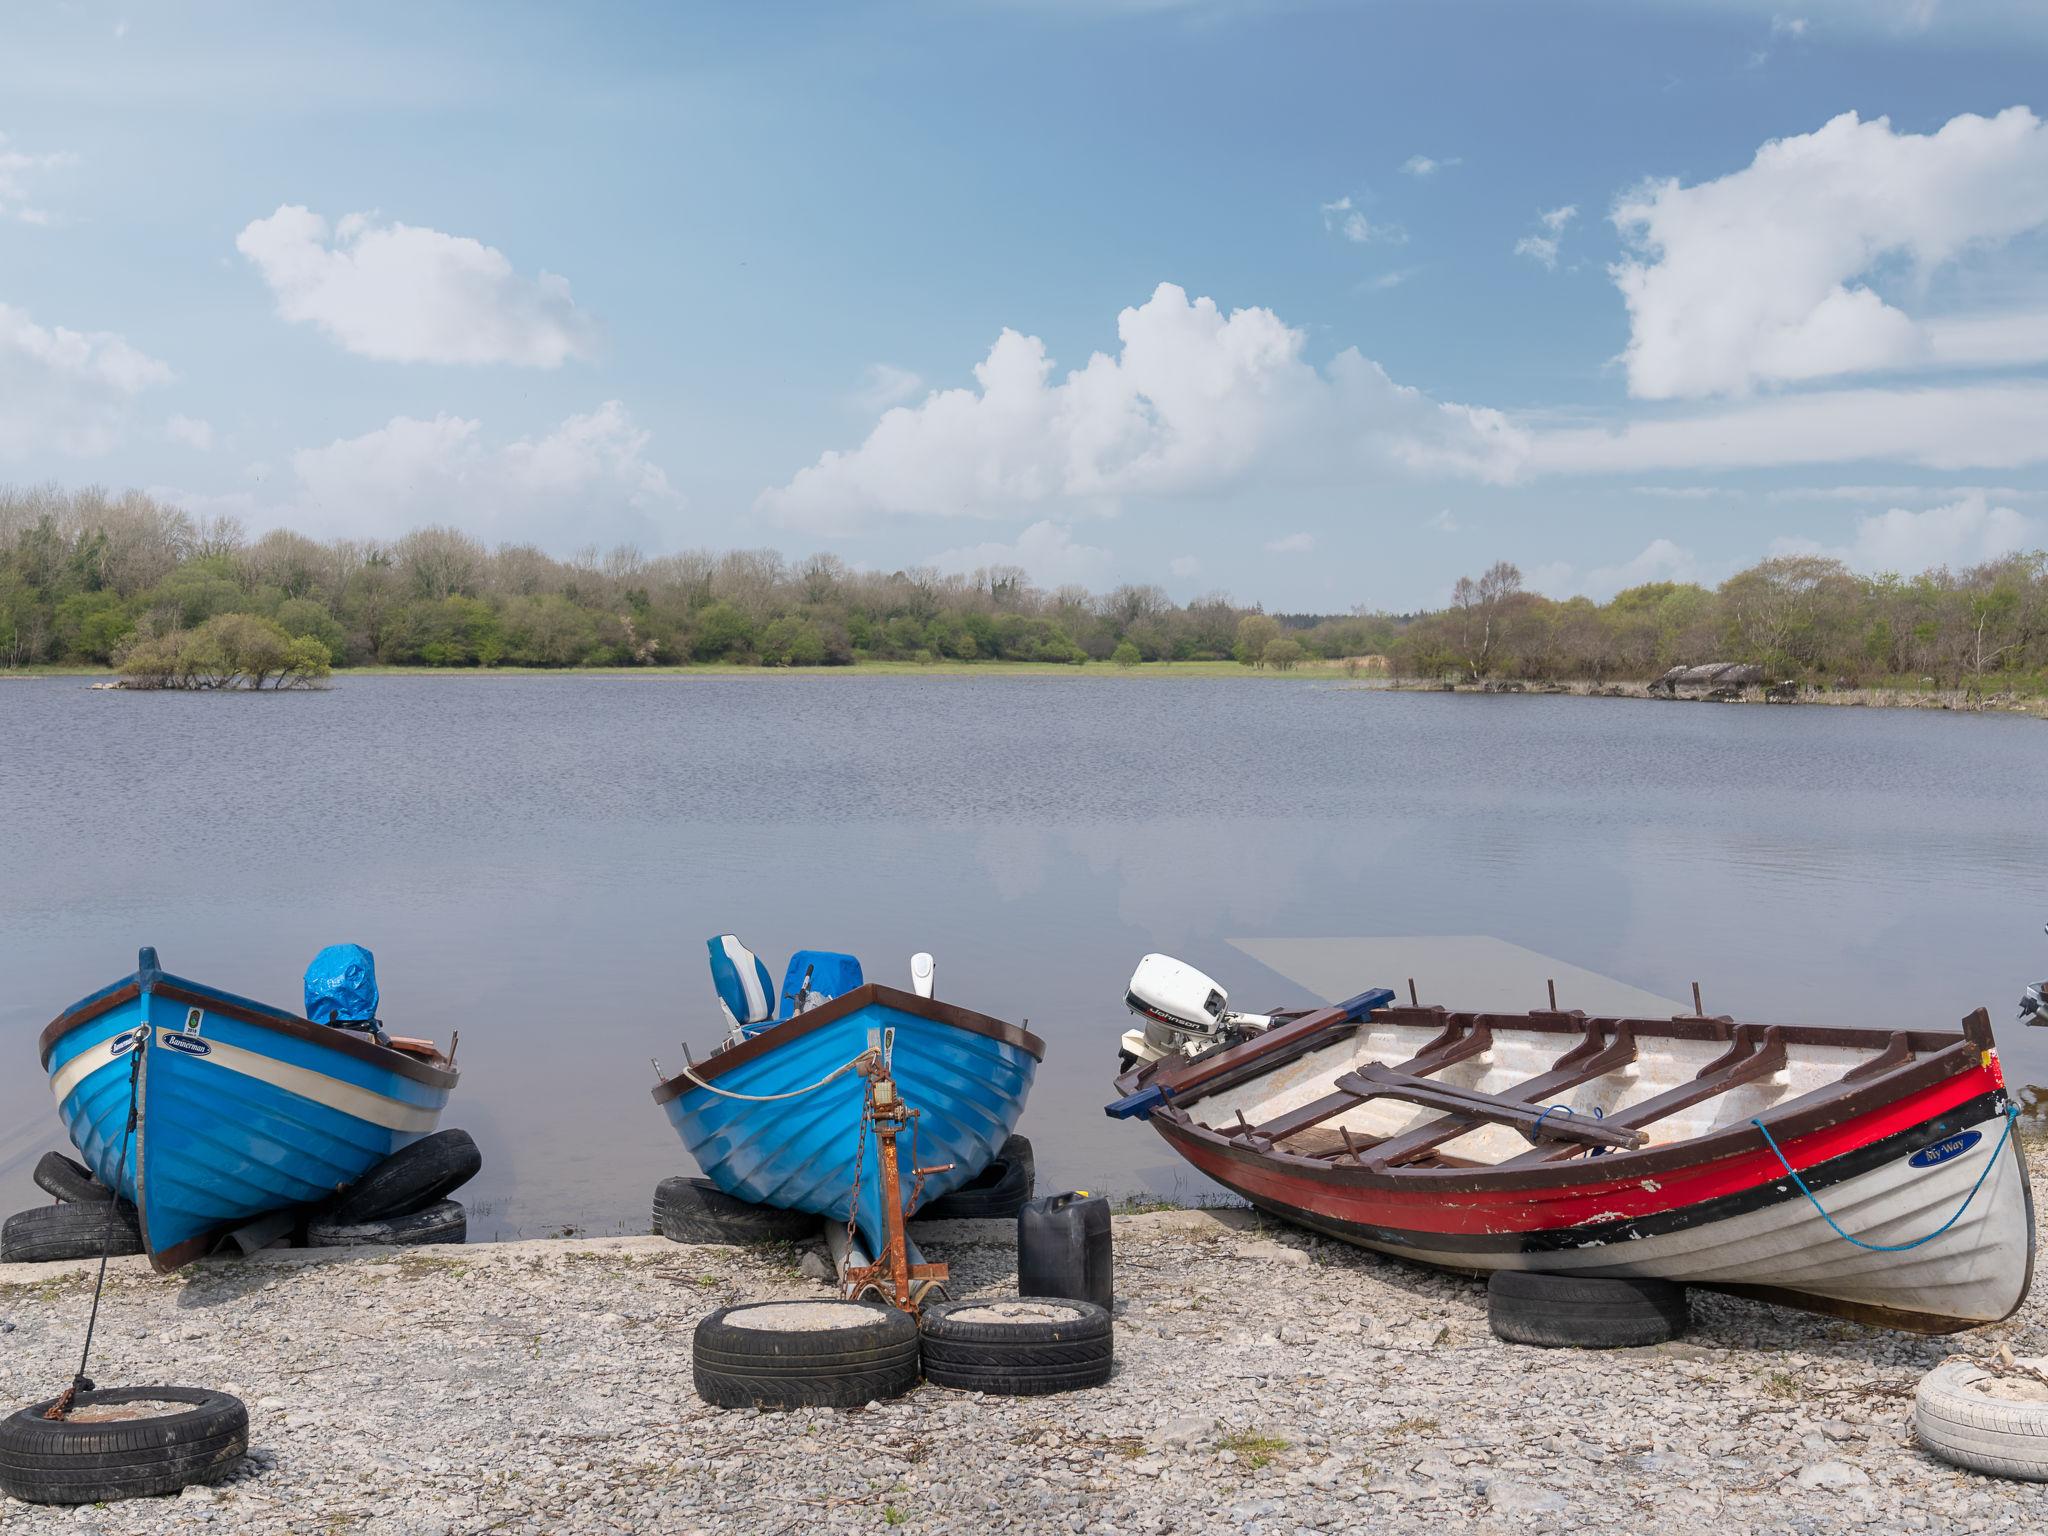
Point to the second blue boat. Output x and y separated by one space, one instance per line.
766 1125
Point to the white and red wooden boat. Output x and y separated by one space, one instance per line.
1571 1144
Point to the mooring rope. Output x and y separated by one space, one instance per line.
81 1382
2012 1115
770 1098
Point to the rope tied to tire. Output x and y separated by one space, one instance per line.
2012 1116
58 1410
770 1098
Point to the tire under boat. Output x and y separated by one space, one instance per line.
1449 1157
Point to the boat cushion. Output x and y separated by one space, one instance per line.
832 975
341 985
742 981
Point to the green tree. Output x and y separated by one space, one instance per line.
1125 654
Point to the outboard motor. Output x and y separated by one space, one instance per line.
1185 1012
2034 1001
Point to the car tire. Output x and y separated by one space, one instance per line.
444 1222
45 1233
804 1354
697 1211
998 1193
71 1181
1956 1417
1583 1311
93 1455
418 1175
1018 1346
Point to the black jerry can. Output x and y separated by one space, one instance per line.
1063 1249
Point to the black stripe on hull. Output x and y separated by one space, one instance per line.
1595 1235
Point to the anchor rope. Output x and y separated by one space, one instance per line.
770 1098
81 1382
2012 1115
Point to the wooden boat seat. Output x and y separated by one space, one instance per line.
1594 1056
1752 1054
1456 1043
1533 1120
1332 1146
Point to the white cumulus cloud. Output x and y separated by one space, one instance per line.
1421 166
192 431
1045 549
587 481
1195 401
1343 217
1660 560
18 168
1291 544
1543 248
1965 532
71 392
884 384
1762 276
407 294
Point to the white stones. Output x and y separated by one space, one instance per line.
1832 1475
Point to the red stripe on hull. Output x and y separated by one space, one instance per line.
1408 1202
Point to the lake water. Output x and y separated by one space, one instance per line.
537 862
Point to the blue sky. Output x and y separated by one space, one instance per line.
1382 292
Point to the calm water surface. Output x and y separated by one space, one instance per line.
537 862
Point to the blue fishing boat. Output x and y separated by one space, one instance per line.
777 1115
207 1110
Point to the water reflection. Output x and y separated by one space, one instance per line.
537 862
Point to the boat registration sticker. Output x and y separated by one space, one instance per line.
189 1045
192 1018
1941 1151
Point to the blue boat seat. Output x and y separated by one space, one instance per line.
744 987
832 975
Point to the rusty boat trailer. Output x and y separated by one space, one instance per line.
899 1275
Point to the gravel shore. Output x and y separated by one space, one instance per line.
1267 1382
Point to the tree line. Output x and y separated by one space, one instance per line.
130 581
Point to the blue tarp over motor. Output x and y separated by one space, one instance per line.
341 985
832 975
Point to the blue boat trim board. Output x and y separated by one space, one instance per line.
242 1109
965 1073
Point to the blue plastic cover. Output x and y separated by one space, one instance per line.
341 985
832 975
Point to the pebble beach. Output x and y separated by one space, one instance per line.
1267 1382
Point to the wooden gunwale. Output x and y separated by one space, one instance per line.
778 1035
276 1020
1936 1056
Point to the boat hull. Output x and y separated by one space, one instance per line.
239 1110
967 1077
1760 1236
1903 1138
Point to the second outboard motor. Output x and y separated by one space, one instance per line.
1064 1249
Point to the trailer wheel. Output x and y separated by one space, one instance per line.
69 1180
445 1222
414 1177
803 1354
44 1233
998 1193
122 1443
698 1211
1583 1311
1018 1346
1967 1415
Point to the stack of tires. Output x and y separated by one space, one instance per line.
1584 1311
85 1221
841 1354
693 1210
404 1200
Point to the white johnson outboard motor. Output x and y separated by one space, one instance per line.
2034 1002
1185 1012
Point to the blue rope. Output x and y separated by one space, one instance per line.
1536 1130
2012 1114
